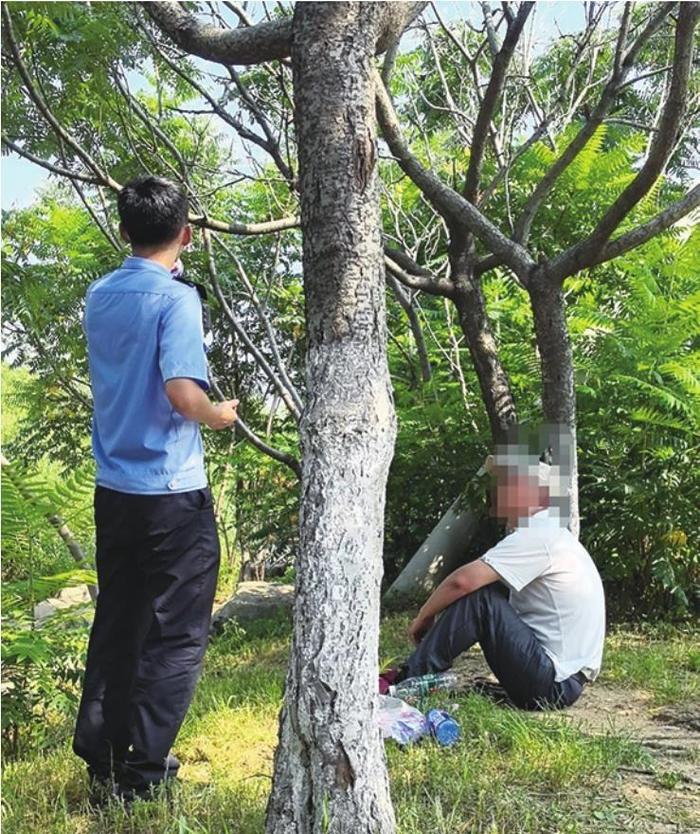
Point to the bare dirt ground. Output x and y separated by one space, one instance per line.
662 798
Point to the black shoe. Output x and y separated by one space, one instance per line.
147 793
101 790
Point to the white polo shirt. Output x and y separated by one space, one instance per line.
556 589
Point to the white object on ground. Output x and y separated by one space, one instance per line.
400 721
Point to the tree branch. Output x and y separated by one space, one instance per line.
407 306
622 66
245 431
452 206
490 101
49 166
262 42
415 277
265 321
201 220
583 254
646 231
265 41
43 107
262 362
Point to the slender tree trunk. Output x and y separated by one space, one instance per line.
74 547
558 393
417 331
446 546
330 768
493 381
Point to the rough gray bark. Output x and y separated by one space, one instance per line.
263 41
330 769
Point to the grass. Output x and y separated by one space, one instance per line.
663 660
511 773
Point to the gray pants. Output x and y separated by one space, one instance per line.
510 647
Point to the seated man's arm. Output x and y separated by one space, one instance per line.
459 583
187 397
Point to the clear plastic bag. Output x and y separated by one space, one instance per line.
400 721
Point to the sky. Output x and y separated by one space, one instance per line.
21 180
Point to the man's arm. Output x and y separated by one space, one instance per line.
459 583
187 397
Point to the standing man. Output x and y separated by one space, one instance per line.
157 546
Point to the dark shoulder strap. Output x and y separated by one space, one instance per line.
203 297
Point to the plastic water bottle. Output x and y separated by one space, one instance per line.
443 727
424 685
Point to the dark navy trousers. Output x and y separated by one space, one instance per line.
510 647
157 565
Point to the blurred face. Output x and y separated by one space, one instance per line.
516 496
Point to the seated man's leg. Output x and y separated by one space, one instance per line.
510 647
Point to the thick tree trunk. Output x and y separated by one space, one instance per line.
330 769
558 393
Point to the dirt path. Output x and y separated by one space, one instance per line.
662 798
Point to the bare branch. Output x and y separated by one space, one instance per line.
492 96
239 12
268 144
646 231
246 45
265 321
145 117
582 254
415 277
263 228
245 431
103 227
407 305
452 206
240 331
49 166
607 99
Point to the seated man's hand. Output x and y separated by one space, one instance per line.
419 628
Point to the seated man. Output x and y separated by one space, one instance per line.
543 640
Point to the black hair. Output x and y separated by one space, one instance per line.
532 437
153 210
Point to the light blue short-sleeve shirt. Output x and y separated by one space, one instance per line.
143 328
